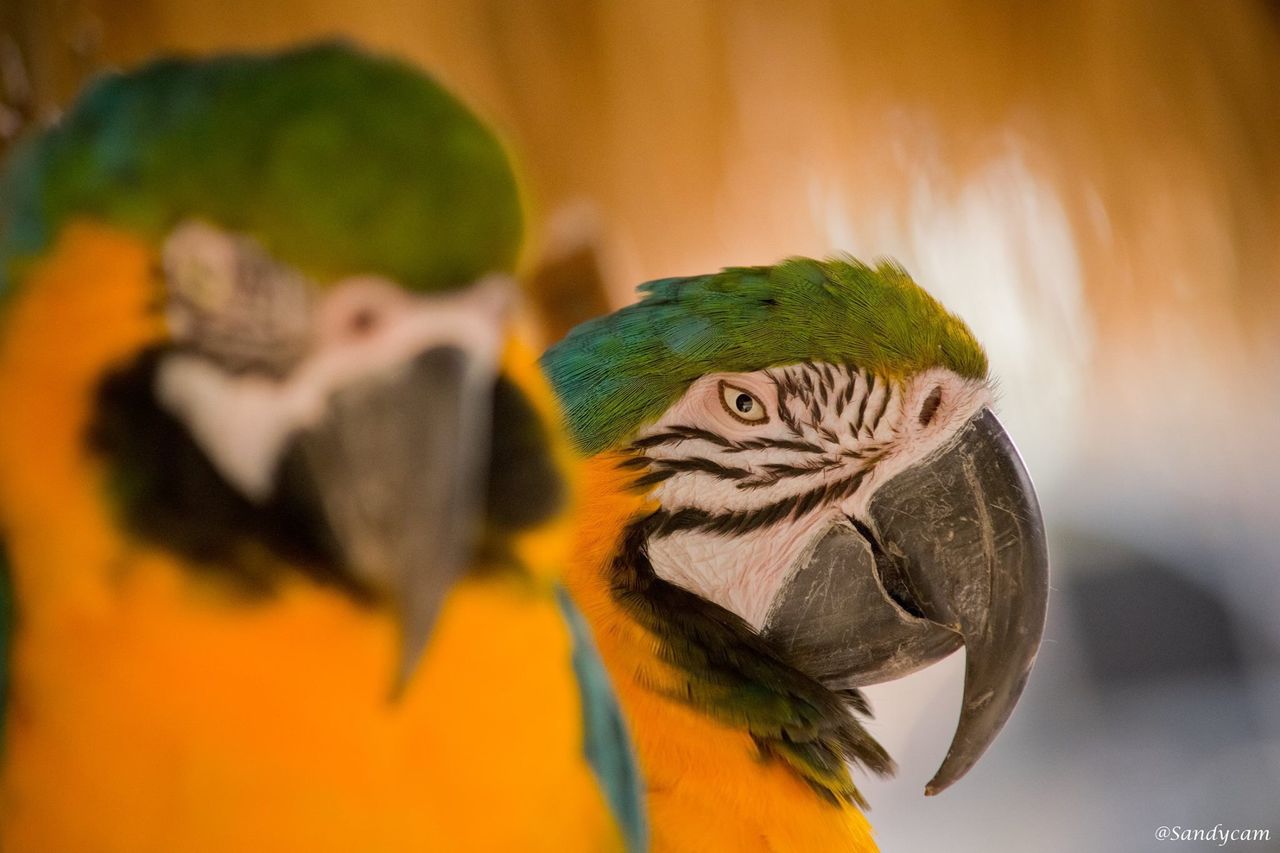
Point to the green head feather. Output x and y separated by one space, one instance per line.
337 162
618 373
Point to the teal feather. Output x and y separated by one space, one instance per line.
605 738
618 373
337 162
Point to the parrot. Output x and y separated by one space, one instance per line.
794 487
284 496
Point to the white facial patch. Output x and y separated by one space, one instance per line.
362 328
744 573
745 499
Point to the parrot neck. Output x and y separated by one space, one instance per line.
665 644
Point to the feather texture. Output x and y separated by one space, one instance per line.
726 670
618 373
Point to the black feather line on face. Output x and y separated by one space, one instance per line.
789 421
733 675
681 434
789 385
884 407
661 469
701 464
782 393
775 444
828 377
869 383
847 396
815 411
653 478
736 522
776 472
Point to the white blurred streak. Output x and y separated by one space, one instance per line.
1000 253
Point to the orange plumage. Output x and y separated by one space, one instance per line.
152 708
707 787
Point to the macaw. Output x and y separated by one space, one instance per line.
796 487
282 492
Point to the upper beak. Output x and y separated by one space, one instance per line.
375 440
396 470
957 556
393 456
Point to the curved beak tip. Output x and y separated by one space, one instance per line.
970 540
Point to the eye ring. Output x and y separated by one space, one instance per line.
742 405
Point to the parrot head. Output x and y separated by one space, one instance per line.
818 444
327 378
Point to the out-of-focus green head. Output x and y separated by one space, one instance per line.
337 162
619 373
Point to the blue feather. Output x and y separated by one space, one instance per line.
605 740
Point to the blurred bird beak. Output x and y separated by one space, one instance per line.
381 432
957 556
367 404
396 469
396 462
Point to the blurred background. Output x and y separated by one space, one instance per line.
1093 186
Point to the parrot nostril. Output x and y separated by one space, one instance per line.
363 321
930 406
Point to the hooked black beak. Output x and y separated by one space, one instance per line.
957 556
396 469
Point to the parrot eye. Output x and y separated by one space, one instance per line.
229 299
742 405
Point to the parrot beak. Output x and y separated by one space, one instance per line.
396 470
957 557
364 404
392 457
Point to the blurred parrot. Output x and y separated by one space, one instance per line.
796 488
281 489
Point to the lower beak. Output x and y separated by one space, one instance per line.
396 470
958 556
